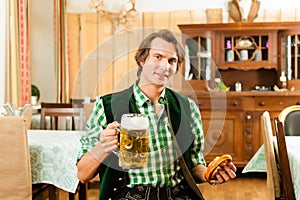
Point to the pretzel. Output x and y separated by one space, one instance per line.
213 165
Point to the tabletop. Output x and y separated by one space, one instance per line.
53 157
258 162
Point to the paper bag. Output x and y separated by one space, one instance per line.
15 173
28 116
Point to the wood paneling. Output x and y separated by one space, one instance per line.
100 72
74 47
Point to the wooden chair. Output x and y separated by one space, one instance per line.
273 181
287 185
63 118
56 105
290 117
59 105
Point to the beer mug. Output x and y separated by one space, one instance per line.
134 132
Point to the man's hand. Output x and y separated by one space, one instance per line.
108 142
220 170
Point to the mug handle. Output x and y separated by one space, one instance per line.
117 151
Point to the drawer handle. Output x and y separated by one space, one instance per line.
280 103
235 103
248 117
262 103
199 103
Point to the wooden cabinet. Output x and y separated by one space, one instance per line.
231 122
252 53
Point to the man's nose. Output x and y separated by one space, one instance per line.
165 63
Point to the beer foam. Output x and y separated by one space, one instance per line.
134 121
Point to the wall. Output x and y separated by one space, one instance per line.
42 48
113 69
96 71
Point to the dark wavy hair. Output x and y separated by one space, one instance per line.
144 48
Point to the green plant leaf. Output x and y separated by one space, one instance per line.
35 91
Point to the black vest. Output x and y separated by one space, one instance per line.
112 177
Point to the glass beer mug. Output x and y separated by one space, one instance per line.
134 132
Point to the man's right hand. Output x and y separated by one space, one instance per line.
108 142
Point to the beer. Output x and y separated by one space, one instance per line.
133 141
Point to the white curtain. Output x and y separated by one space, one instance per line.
4 49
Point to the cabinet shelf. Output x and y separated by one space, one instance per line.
245 48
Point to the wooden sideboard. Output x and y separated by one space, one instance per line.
231 120
254 54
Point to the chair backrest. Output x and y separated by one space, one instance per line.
56 105
290 117
63 118
284 166
273 181
15 172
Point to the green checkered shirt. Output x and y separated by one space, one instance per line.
163 167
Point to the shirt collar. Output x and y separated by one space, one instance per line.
141 98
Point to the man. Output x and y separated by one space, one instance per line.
158 58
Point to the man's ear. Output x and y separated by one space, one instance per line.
142 62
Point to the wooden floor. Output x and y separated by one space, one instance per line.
250 187
245 186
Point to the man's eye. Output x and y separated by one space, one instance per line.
157 56
172 61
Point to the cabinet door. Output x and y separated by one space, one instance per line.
223 135
199 53
290 54
252 133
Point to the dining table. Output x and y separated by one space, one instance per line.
53 157
258 161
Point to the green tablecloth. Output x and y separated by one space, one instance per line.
258 162
53 156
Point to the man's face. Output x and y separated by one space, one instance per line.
161 63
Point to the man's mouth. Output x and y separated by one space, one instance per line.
162 76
